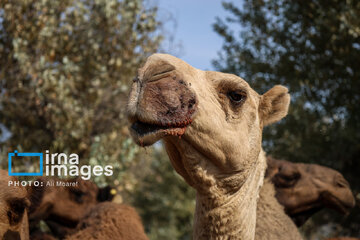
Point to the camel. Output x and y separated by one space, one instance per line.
211 124
109 220
14 206
83 212
304 189
63 207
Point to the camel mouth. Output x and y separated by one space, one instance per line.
302 213
146 134
341 205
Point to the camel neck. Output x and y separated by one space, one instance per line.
231 216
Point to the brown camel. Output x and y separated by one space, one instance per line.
62 207
304 189
80 213
13 209
211 124
110 221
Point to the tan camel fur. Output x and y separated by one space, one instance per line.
111 221
304 189
211 124
271 222
13 210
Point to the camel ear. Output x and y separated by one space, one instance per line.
274 105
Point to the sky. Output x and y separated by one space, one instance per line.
194 19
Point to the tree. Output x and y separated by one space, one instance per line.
66 67
312 47
65 71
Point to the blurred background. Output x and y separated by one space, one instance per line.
66 67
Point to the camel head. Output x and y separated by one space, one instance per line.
13 210
304 189
62 207
211 122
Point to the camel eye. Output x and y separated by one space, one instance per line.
78 195
286 180
236 97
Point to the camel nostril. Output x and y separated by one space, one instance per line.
191 103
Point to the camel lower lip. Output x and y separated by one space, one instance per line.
146 134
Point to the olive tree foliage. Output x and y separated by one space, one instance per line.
65 70
66 67
313 48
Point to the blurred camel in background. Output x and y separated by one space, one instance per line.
63 207
304 189
83 212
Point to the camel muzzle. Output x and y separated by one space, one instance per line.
165 107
